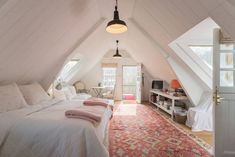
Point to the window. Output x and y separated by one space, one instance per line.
109 77
226 65
67 69
204 52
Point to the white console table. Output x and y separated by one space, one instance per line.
159 94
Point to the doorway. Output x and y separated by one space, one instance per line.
129 78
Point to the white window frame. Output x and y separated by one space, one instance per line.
196 52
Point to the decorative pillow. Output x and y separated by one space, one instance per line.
11 98
34 93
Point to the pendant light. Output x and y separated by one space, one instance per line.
116 26
117 55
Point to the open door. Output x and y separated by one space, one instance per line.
224 95
129 82
139 84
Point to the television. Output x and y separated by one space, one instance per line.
158 84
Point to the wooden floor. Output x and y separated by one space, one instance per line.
204 135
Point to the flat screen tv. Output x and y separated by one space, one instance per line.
158 84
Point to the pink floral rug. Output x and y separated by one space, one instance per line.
142 131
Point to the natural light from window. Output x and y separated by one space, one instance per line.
204 52
126 110
67 69
109 77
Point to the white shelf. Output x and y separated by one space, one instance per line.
162 107
166 95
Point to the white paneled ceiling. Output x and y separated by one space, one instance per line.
37 37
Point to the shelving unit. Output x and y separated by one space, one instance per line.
167 106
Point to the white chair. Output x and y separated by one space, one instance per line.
109 93
200 118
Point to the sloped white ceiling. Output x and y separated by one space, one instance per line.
36 37
135 42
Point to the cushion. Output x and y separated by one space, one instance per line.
59 94
34 93
72 90
11 98
69 95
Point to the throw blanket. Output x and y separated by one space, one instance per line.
91 114
97 102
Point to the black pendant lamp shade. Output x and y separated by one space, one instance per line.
116 26
117 55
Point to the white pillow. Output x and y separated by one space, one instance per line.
34 93
59 94
11 98
72 90
69 95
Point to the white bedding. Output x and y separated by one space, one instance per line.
43 131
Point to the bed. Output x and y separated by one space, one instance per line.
42 130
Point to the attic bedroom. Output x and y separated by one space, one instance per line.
117 78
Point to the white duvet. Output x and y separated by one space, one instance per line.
44 131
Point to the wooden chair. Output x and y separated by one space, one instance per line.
80 87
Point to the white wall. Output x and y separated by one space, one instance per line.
201 34
96 74
189 81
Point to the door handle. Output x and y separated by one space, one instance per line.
217 98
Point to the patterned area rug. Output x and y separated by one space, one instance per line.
141 131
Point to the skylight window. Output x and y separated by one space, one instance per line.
204 52
67 69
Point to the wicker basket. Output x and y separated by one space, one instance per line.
180 117
153 98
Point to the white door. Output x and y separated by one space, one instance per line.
139 84
224 87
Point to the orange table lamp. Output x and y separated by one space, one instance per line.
175 84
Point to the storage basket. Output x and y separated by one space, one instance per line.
180 117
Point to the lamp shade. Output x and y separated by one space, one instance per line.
116 26
117 55
175 84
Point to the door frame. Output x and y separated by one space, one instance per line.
132 65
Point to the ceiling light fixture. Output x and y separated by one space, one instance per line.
116 26
117 55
